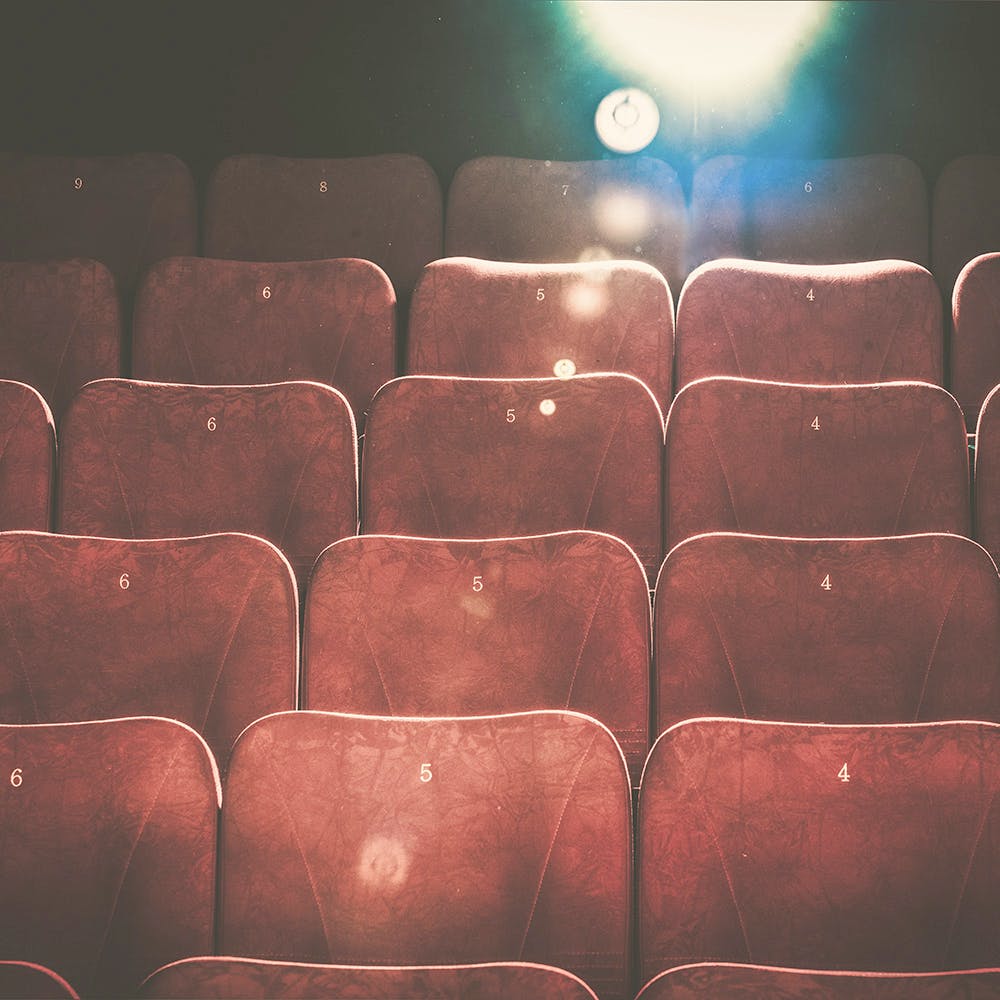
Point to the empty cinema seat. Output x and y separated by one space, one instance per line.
204 630
986 501
483 318
385 209
751 982
258 978
479 458
546 211
225 322
27 458
125 211
966 216
826 211
776 458
28 981
383 841
870 322
109 831
157 460
421 626
60 326
873 848
975 335
898 629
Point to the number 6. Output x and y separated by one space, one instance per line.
211 423
15 777
123 581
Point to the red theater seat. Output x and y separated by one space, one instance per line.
420 626
385 209
831 211
751 982
151 460
899 629
482 318
60 326
481 458
872 848
975 338
546 211
225 322
27 458
871 322
27 981
987 475
125 211
204 630
384 841
109 847
774 458
257 978
966 216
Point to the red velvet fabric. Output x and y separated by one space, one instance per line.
125 211
478 458
419 626
225 322
60 326
871 848
156 460
775 458
203 630
975 336
966 216
871 322
903 629
987 476
484 318
383 841
228 978
385 209
109 846
27 981
627 208
830 211
751 982
27 458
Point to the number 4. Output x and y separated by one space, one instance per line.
811 295
815 424
842 773
826 585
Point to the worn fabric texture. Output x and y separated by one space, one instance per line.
820 211
627 208
60 326
481 458
775 458
872 322
256 978
27 458
418 626
378 841
869 848
203 630
903 629
386 209
109 832
157 460
500 320
225 322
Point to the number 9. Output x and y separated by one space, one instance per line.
78 183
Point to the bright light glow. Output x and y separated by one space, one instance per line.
627 120
621 216
564 368
547 407
711 51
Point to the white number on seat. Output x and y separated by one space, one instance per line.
78 183
322 186
808 187
266 293
842 773
826 585
477 583
810 295
15 777
425 773
815 424
565 188
540 295
510 416
124 582
211 423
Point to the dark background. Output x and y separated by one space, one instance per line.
453 79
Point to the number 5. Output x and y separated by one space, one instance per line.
425 773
